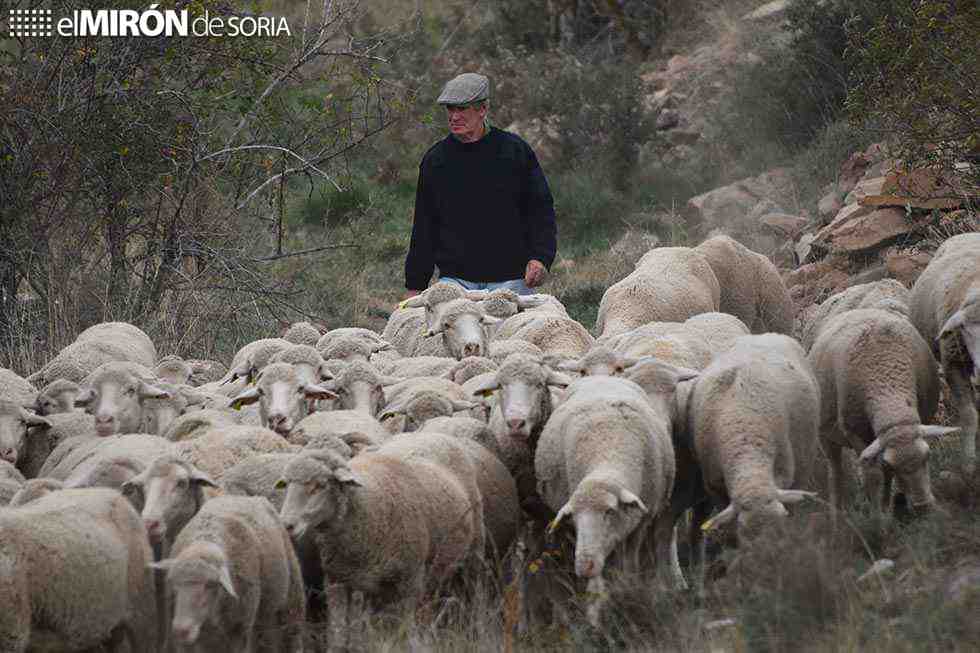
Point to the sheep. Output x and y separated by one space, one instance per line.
252 357
352 348
419 366
501 349
751 288
753 417
523 407
302 333
412 401
463 326
945 308
114 394
887 294
605 462
283 397
669 284
221 449
160 413
11 481
351 507
74 574
56 397
406 331
360 387
104 462
598 361
174 370
879 384
99 344
235 580
338 423
196 423
33 489
15 388
345 333
469 367
43 442
552 334
206 371
15 421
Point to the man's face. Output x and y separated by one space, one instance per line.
466 120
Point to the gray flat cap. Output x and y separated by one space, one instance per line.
464 89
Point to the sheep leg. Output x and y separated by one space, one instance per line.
665 544
835 479
964 401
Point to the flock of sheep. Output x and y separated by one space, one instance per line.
198 507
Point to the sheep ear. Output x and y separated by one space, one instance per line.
871 452
345 476
794 496
84 398
486 388
200 478
565 511
150 391
244 398
224 577
627 498
935 432
463 405
318 392
720 519
558 379
956 321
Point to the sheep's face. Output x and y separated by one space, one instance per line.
465 335
604 517
420 408
910 463
159 414
363 395
317 502
14 422
283 398
200 584
171 492
525 398
176 372
57 401
756 520
116 399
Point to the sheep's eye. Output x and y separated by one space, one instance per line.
341 391
182 482
618 370
130 391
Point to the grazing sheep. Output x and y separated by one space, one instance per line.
235 580
302 333
196 423
174 370
99 344
945 308
56 397
15 421
16 389
360 387
221 449
351 508
886 294
251 358
753 417
283 396
598 361
74 574
338 423
35 488
669 284
115 393
605 462
879 383
751 288
500 350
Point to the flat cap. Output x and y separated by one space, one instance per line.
464 89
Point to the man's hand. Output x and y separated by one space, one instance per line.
534 273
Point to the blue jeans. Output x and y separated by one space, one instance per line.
517 285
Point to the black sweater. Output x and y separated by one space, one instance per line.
482 211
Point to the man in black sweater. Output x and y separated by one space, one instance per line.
483 210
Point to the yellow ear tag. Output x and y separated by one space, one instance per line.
237 404
708 525
553 526
402 303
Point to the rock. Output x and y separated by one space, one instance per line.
876 273
830 204
721 204
785 256
770 10
803 247
658 100
924 188
852 171
905 265
860 229
828 274
668 119
785 224
683 137
677 64
865 187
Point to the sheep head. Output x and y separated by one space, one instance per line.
283 397
170 491
317 483
15 420
114 394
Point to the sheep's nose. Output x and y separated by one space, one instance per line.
104 419
290 527
516 424
154 528
471 349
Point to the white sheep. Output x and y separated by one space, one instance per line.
552 334
501 349
252 357
103 462
174 370
338 423
15 421
669 284
235 580
406 330
887 294
302 333
464 328
74 574
283 395
222 448
751 288
35 488
206 371
159 413
469 367
11 481
99 344
605 463
43 441
945 308
411 402
114 394
196 423
360 387
16 389
753 417
416 366
56 397
879 384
